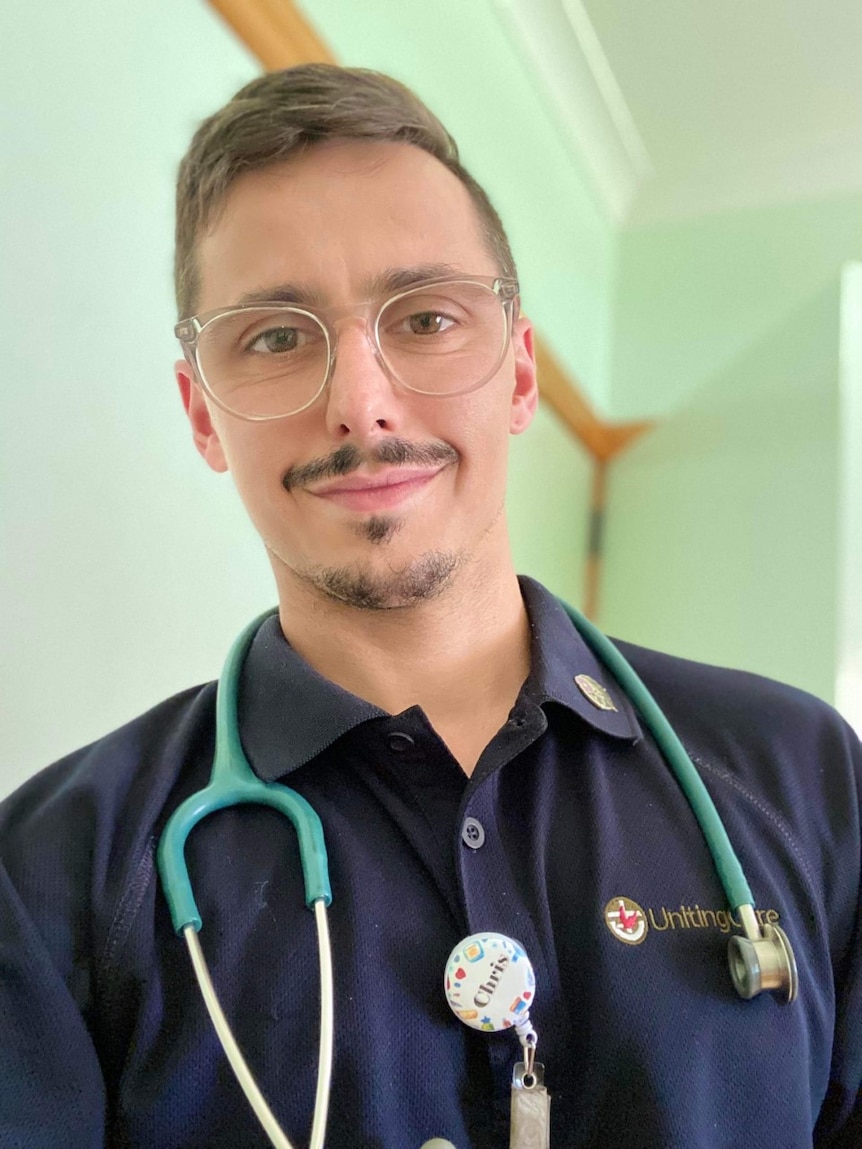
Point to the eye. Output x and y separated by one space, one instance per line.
427 323
275 340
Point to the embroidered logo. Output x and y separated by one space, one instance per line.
626 921
630 923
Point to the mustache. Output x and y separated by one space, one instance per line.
344 460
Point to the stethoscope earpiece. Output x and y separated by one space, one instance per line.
763 963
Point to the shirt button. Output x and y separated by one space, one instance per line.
399 742
473 833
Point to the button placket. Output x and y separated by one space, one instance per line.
494 900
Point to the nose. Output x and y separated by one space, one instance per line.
361 400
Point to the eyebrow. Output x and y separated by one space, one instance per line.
400 278
391 280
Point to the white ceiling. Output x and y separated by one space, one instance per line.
685 107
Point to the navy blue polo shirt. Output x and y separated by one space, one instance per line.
571 836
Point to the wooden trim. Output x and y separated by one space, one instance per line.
280 36
275 31
595 545
602 440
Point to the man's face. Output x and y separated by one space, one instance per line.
373 495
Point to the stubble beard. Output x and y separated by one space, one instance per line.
364 586
358 586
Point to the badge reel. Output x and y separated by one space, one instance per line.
490 986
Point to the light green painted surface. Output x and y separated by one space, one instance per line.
722 534
457 57
694 296
126 565
548 506
849 590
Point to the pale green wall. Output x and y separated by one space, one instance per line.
708 319
548 506
849 593
126 565
722 539
693 296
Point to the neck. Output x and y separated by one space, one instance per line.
462 656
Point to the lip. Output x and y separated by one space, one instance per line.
376 492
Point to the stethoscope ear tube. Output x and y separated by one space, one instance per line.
762 959
234 791
232 783
277 1137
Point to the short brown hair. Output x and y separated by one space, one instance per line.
282 113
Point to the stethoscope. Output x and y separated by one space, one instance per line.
761 958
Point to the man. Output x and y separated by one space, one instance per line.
355 357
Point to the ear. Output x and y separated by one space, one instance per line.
525 397
204 433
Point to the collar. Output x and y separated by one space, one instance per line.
289 713
564 669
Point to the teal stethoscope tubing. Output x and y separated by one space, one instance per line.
233 782
726 862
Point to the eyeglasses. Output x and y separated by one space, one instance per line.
269 360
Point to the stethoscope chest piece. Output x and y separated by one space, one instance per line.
764 963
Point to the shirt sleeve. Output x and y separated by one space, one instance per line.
51 1088
839 1125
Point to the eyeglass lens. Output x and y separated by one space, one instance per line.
438 340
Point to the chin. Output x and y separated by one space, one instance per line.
385 586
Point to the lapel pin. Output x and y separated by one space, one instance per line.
594 692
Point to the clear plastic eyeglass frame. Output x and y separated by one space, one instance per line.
189 331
